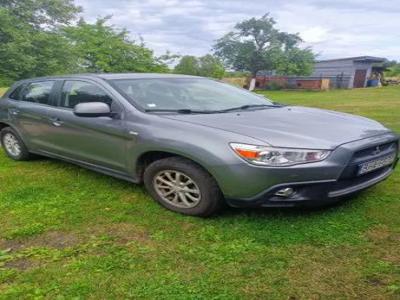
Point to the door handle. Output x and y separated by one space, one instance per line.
56 122
14 112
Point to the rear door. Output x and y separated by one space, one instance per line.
30 113
98 141
9 107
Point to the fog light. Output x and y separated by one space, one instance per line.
286 192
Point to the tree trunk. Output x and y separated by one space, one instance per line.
252 83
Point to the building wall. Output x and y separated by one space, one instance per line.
293 82
341 69
336 68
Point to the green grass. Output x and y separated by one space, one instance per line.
67 232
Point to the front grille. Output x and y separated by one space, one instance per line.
371 152
364 155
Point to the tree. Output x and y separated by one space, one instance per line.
30 42
210 66
295 61
102 48
42 13
256 45
37 38
188 65
392 68
206 66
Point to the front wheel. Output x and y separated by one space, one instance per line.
13 144
182 186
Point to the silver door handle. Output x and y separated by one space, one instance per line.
14 112
56 122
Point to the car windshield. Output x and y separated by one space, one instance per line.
188 95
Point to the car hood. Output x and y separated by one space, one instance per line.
291 126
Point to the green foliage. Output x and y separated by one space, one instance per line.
188 65
210 66
230 74
393 71
26 51
274 86
257 45
37 39
206 66
41 13
30 42
102 48
295 61
15 49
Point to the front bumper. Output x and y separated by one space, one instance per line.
321 186
316 193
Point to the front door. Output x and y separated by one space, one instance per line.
98 141
359 78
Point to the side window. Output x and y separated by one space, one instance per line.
16 93
38 92
75 92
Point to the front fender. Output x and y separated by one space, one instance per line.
208 147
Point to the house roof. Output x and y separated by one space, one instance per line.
371 59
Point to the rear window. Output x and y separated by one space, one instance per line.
38 92
16 93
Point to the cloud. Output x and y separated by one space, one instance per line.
332 28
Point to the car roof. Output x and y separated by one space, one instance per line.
113 76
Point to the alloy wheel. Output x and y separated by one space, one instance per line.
11 144
177 189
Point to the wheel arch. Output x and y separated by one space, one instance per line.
3 125
149 157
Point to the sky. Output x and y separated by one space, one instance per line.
334 29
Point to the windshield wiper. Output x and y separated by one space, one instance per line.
244 107
191 111
182 111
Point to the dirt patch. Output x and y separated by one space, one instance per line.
22 264
374 281
120 233
123 233
378 233
53 239
331 272
386 244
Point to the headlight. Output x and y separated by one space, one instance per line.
270 156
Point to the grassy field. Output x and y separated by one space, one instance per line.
68 232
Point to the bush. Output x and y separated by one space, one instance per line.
274 86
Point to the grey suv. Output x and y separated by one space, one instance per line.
196 143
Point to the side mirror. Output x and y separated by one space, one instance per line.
92 110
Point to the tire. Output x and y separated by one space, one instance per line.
18 151
206 198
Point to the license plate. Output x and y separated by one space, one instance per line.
376 164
